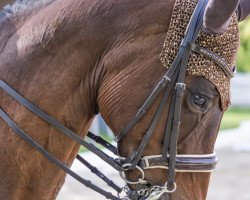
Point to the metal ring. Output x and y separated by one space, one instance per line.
140 180
170 191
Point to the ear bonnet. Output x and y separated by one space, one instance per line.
225 45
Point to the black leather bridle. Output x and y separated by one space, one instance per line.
169 159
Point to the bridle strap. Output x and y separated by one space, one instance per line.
210 56
137 156
163 82
184 163
167 78
50 120
54 160
95 171
191 35
103 142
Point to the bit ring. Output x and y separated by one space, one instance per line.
140 180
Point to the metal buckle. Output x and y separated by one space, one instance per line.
145 162
181 86
156 192
167 78
164 81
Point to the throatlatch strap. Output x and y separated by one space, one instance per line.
161 85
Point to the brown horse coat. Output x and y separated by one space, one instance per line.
75 58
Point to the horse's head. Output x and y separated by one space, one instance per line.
135 67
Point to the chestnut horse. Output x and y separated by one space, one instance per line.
75 59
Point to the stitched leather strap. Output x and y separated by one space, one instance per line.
184 163
52 159
211 56
37 111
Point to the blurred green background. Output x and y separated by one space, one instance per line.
243 61
234 116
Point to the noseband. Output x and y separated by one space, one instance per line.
170 160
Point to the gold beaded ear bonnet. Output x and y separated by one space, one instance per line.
224 45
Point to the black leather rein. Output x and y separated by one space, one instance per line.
111 161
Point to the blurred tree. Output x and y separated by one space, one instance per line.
243 61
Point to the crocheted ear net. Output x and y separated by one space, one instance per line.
225 45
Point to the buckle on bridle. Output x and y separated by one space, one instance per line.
167 78
145 162
180 86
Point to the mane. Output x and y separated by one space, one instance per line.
20 7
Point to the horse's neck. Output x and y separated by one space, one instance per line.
49 71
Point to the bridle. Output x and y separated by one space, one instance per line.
174 78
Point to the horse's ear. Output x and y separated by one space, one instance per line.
217 15
243 10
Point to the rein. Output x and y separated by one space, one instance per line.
174 78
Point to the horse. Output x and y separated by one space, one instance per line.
75 59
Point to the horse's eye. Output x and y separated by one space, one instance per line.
199 100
